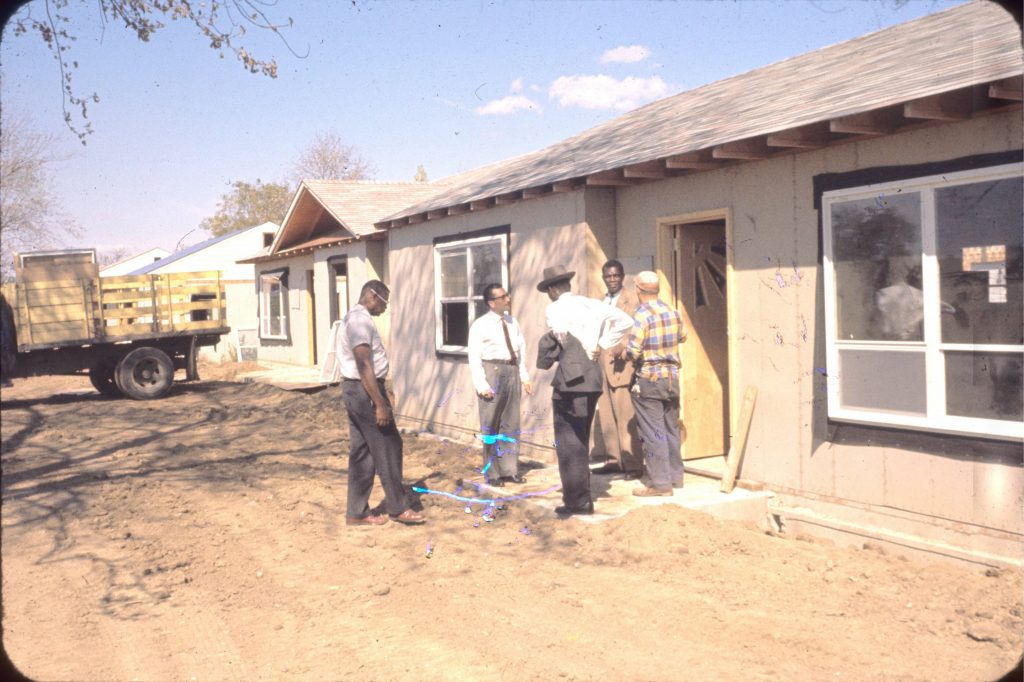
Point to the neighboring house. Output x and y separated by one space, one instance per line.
221 255
325 250
842 231
132 263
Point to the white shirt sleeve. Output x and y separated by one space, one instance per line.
476 364
615 327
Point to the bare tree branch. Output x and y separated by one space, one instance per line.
31 217
144 18
329 158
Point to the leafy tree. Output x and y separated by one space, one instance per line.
223 22
31 217
329 158
247 205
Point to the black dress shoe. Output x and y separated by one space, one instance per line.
518 478
633 475
497 482
569 511
607 469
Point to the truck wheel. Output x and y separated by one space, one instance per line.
145 374
102 377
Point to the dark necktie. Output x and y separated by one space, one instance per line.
508 341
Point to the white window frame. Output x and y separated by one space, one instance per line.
267 282
935 418
463 245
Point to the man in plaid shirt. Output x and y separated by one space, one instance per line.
657 331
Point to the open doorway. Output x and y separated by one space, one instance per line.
338 273
696 266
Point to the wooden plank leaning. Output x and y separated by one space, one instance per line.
739 444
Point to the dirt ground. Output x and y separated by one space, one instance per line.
202 537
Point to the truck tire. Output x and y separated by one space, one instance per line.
146 373
102 377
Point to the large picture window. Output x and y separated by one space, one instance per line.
273 305
924 305
461 271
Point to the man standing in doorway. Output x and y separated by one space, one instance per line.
580 328
653 344
375 444
497 365
615 417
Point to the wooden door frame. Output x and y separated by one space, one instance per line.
311 315
663 264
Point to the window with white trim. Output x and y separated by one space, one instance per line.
924 308
461 271
273 307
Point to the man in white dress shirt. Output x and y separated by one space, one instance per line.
497 365
580 328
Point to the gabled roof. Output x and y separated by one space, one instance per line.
943 66
150 255
342 210
178 255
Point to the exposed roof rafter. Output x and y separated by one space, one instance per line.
751 149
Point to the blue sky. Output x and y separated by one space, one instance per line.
451 85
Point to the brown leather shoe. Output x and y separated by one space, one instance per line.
409 517
371 520
652 492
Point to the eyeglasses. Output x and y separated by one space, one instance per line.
498 298
379 296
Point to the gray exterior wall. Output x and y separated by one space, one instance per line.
436 392
295 349
775 228
366 260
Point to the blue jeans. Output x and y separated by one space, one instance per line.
657 417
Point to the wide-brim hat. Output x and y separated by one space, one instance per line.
556 273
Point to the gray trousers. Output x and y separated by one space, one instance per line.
373 449
657 417
500 415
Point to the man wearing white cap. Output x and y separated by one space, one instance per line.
653 344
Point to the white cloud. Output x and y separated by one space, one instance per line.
507 105
517 85
625 54
605 92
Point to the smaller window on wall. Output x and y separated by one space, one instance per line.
273 306
924 303
463 266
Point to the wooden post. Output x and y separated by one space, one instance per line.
153 297
26 321
739 444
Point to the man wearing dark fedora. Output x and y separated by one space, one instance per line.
579 328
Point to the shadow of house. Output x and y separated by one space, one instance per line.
757 198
